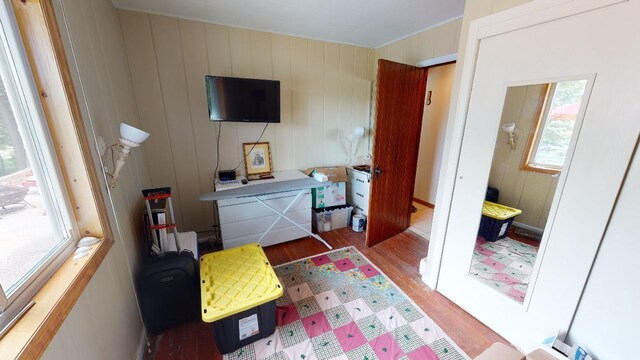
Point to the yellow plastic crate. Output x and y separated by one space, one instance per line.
498 211
236 280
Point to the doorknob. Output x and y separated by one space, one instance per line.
377 171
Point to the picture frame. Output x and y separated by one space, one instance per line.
257 158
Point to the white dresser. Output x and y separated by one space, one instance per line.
358 190
244 220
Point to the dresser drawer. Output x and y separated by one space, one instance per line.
252 209
260 225
358 177
358 197
276 236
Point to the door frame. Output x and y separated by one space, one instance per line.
526 15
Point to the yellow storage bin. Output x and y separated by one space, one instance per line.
236 280
498 211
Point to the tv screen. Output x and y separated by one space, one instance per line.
248 100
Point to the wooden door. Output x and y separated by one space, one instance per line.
399 107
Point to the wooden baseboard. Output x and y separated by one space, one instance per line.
422 202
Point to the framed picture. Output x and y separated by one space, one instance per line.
257 158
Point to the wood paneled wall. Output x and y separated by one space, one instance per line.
532 192
438 41
325 93
104 323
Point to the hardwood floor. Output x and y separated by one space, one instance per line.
397 257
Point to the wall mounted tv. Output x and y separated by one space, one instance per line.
243 100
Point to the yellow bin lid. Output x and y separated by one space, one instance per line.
235 280
498 211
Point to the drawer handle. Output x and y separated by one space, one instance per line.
362 196
359 208
362 181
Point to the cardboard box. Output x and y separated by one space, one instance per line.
332 195
335 174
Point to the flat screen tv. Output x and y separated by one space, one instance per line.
244 100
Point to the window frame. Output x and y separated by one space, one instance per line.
541 117
29 114
46 58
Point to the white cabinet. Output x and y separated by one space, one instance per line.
358 190
244 220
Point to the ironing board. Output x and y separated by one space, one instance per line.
254 191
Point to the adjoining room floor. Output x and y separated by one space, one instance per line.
398 258
421 220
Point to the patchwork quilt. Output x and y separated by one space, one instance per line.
505 265
339 306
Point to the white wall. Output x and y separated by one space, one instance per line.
325 89
104 323
531 192
606 321
434 123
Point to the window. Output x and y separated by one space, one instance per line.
551 136
35 226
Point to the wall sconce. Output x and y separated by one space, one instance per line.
510 128
130 137
352 138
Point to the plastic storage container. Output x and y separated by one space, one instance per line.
331 218
496 220
239 291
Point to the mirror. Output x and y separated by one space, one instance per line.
536 133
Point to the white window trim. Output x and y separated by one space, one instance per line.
31 120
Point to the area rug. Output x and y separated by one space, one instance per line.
505 265
338 305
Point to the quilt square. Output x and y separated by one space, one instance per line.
363 352
349 337
316 325
408 311
444 350
292 334
327 346
338 316
390 318
268 346
327 300
386 347
307 307
303 350
321 260
427 330
371 327
344 264
369 271
285 315
407 338
346 294
423 353
299 292
318 286
358 309
376 302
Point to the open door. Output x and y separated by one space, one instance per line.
399 108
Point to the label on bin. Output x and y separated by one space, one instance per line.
248 326
503 229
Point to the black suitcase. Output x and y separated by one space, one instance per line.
169 290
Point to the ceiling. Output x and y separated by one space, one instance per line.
369 23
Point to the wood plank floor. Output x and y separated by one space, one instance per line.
397 257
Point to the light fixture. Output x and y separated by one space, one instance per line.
130 137
352 138
510 128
